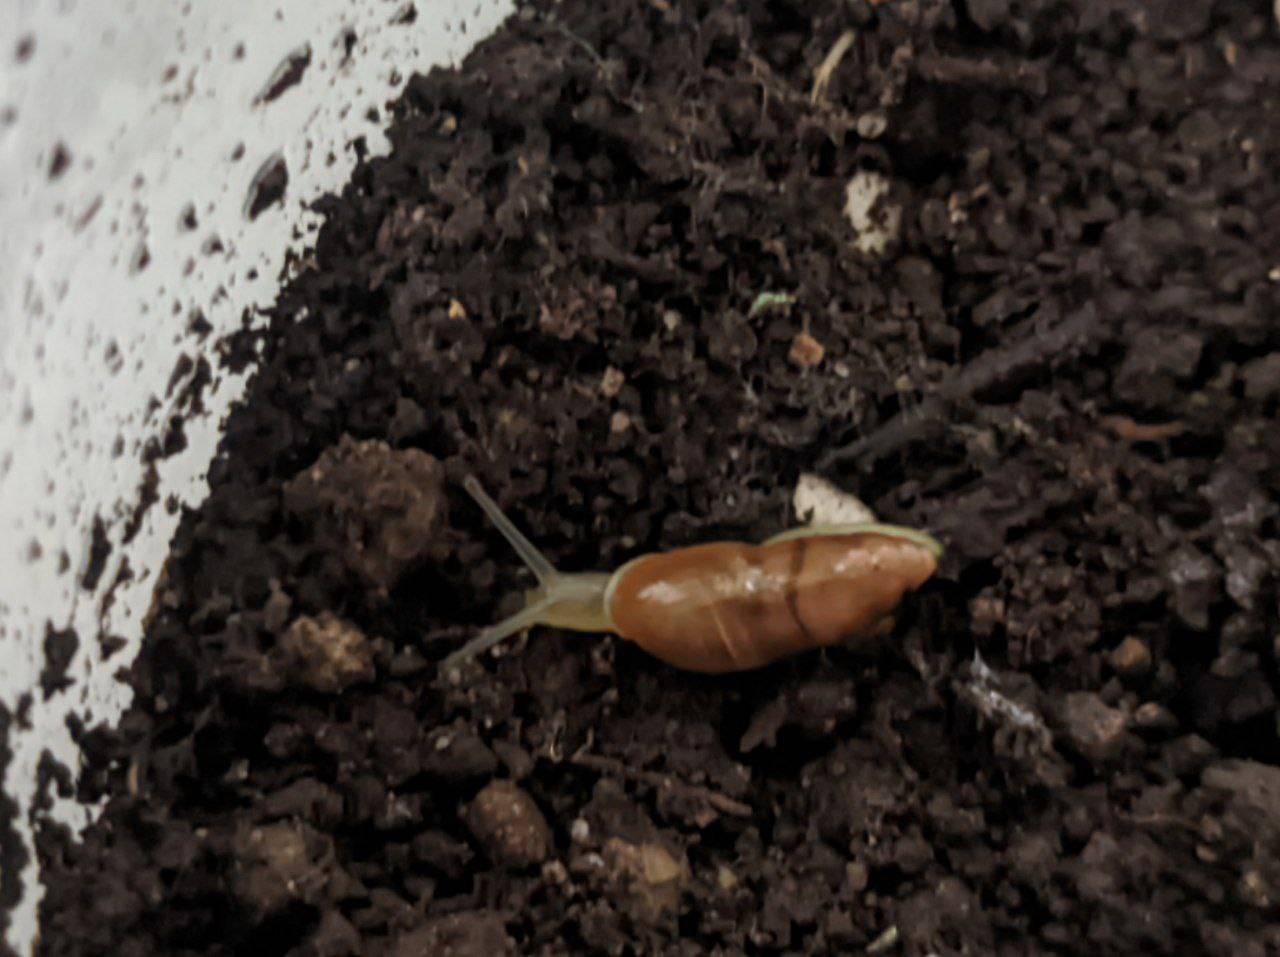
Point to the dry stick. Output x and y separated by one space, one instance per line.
610 766
1028 77
982 372
822 76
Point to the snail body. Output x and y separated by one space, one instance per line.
727 606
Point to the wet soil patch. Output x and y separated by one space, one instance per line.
1019 287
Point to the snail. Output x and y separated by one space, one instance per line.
726 606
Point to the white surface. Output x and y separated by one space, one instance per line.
152 100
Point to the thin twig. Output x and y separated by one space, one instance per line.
1028 77
611 766
1160 820
981 373
822 76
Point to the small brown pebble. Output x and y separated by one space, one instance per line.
1131 657
509 824
611 382
806 351
1094 729
620 422
652 873
326 653
857 875
1154 716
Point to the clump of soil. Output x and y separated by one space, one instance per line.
1050 338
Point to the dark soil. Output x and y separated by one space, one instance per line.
13 852
1067 365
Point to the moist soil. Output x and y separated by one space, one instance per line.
1053 342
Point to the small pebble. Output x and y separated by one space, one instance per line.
652 872
1131 657
611 382
726 878
1154 716
806 351
1094 729
857 875
509 824
326 653
871 126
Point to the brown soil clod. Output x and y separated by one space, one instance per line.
326 653
509 825
378 508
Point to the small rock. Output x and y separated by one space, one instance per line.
611 382
871 126
1131 657
652 873
1195 580
857 875
509 824
726 879
326 653
1155 717
806 351
765 725
1096 731
818 501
